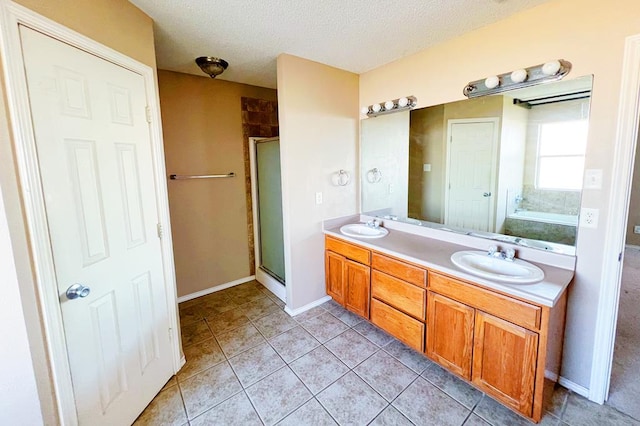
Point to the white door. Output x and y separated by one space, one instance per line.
471 164
94 154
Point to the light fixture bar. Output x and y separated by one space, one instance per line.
538 74
400 104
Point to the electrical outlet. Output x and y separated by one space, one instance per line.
392 188
589 218
318 197
636 229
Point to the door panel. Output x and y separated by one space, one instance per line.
504 361
269 198
470 176
334 275
358 287
450 333
96 168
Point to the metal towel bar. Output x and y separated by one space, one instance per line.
176 177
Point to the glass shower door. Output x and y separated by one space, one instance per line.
269 198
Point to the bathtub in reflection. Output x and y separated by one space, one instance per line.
544 226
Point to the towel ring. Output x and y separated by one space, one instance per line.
342 178
374 175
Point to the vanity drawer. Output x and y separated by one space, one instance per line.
349 251
399 325
399 269
512 310
399 294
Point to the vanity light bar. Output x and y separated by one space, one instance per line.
549 71
387 107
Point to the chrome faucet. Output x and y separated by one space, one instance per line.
508 254
373 223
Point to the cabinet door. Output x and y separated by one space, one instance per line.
358 287
450 334
504 361
334 275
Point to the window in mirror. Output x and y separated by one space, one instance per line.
561 150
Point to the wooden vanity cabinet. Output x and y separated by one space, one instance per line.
450 334
499 343
398 299
348 275
504 361
357 284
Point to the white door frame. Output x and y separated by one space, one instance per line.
494 163
262 277
12 15
615 235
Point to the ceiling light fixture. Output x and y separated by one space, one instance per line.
399 104
212 66
543 73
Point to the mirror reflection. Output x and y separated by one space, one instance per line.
507 167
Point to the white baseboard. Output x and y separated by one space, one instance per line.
551 376
580 390
214 289
632 246
294 312
273 285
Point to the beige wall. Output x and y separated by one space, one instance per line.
114 23
202 127
591 35
123 27
19 402
426 189
384 145
318 116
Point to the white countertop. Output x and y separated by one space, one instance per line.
436 254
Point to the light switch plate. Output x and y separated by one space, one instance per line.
426 167
589 218
592 179
318 197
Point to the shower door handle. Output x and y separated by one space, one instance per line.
486 194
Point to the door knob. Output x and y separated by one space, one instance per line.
77 290
486 194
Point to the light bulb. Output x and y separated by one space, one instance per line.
388 105
403 102
551 68
518 76
376 107
364 110
492 82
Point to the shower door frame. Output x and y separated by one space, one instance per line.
266 279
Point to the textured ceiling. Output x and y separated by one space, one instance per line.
354 35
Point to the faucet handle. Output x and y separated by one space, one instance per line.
492 250
510 254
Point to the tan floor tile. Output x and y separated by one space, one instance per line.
227 321
239 340
200 357
209 388
165 409
195 333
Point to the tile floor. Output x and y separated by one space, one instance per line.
249 363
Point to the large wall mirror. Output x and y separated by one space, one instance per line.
508 167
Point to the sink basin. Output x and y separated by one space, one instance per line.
479 263
361 230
